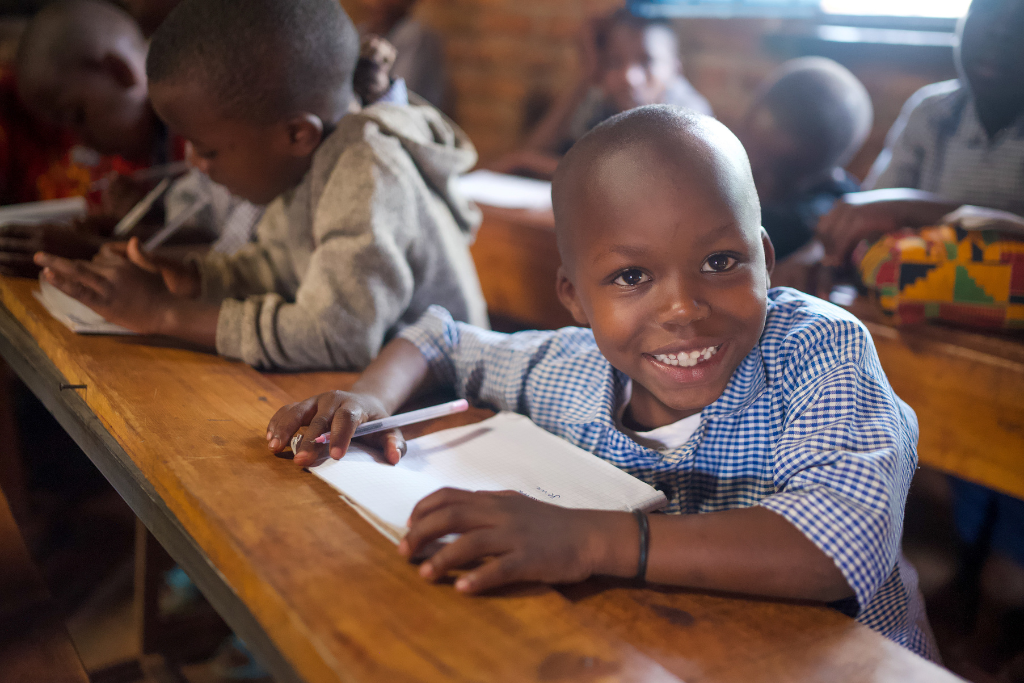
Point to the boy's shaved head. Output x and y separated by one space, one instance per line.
658 140
262 60
823 106
82 65
66 34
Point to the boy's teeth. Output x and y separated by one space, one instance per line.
686 360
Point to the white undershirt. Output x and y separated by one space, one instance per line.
667 438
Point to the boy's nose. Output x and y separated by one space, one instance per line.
683 306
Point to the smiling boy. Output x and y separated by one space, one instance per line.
764 410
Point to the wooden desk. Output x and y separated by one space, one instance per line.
966 387
321 596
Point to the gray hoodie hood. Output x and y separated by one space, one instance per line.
440 149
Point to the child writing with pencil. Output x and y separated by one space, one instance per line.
362 232
763 410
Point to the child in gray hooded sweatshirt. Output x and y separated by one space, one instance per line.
363 230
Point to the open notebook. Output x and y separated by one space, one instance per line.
507 451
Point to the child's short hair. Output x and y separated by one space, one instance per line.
820 104
65 33
261 59
673 134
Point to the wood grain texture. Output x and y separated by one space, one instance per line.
337 600
34 643
966 387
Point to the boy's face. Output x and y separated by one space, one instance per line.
991 54
669 267
639 65
254 161
104 105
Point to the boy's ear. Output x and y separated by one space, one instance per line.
119 69
567 295
305 132
769 253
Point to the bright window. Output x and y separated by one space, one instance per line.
940 9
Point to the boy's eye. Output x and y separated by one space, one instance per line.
631 278
718 263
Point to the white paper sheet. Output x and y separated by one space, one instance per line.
505 452
51 210
505 191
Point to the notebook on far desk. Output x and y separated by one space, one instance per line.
505 452
48 211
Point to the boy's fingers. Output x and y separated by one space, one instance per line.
466 549
16 259
73 274
342 427
454 518
437 500
73 288
19 230
286 421
394 446
19 244
139 257
503 570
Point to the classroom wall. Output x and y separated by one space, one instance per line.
504 54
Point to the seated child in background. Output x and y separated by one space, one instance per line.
803 127
626 61
420 53
81 65
957 142
764 410
363 230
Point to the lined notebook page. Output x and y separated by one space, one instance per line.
507 451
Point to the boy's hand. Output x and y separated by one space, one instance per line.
113 286
19 242
518 539
180 279
868 215
337 412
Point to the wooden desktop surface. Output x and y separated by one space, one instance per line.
966 387
321 596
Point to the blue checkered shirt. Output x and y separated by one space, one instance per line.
807 427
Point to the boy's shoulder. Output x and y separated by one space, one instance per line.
937 101
802 331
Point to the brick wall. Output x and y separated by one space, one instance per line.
503 52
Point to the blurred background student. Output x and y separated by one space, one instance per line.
420 60
625 62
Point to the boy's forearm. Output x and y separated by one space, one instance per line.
192 320
397 374
750 550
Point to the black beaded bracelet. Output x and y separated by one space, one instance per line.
645 542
